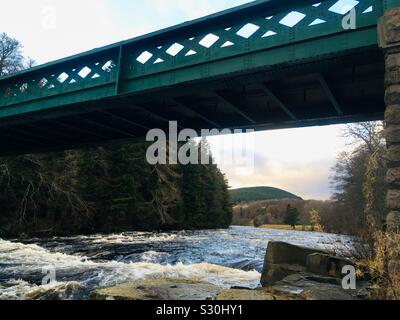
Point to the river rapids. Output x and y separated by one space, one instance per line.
227 258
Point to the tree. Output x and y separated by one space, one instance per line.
292 216
359 181
11 59
315 219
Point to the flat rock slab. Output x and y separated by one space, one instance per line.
313 287
257 294
158 289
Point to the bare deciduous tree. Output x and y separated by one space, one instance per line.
11 59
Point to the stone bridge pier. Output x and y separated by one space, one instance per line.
389 38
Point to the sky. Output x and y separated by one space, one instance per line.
297 160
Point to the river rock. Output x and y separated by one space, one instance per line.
257 294
158 289
283 259
326 265
313 287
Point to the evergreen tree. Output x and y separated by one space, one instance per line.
292 217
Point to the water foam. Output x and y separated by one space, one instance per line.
29 260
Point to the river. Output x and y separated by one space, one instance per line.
231 257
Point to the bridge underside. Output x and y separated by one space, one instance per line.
329 90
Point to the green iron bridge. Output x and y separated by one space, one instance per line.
265 65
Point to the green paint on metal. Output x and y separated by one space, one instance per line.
239 40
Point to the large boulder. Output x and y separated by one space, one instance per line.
283 259
244 294
312 287
158 289
327 265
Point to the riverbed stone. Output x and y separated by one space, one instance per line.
281 252
283 259
307 286
159 289
327 265
272 273
257 294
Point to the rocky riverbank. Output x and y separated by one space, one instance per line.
290 273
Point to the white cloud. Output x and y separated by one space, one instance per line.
297 160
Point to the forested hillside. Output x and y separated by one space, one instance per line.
108 189
260 194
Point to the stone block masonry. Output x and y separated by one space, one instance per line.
389 38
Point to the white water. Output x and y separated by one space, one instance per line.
226 258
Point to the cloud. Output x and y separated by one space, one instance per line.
297 160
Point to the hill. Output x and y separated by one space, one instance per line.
261 193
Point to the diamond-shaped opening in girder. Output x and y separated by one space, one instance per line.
159 60
95 76
343 6
42 83
108 66
317 4
190 53
269 18
227 44
72 81
174 49
292 18
316 22
84 72
269 34
369 9
228 29
144 57
23 87
248 30
209 40
62 77
52 86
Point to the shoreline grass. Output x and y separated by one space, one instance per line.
287 227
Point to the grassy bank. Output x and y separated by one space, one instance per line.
287 227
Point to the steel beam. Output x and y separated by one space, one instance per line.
278 101
330 94
234 106
195 112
